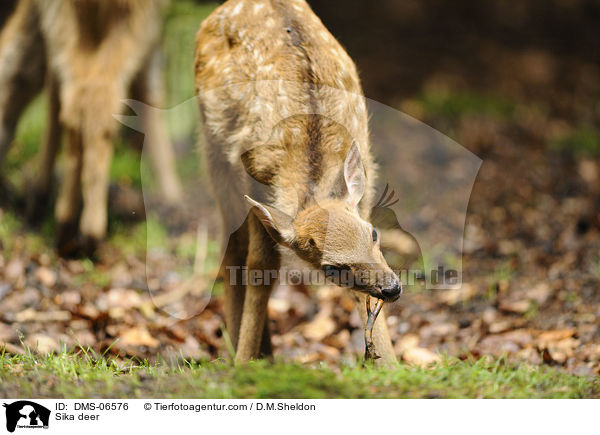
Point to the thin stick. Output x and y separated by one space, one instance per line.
370 353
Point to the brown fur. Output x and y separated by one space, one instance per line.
282 106
94 51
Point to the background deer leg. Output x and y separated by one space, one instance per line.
67 206
97 156
41 190
22 69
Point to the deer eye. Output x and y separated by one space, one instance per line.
374 235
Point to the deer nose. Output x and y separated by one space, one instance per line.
392 292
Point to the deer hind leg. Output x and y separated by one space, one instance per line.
39 196
263 257
228 184
235 257
22 69
381 334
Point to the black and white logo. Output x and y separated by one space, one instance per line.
25 414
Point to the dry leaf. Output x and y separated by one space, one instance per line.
138 336
319 328
556 335
123 298
420 356
454 296
406 342
518 307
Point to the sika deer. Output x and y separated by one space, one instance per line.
285 123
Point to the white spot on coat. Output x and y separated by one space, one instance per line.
237 9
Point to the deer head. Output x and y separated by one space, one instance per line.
331 235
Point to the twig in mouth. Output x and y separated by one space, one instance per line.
370 353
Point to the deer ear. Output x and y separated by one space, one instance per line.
354 175
278 224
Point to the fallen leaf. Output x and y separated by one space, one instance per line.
320 327
540 293
138 336
501 326
497 345
123 298
454 296
420 356
31 315
438 330
563 349
339 340
406 342
517 307
555 335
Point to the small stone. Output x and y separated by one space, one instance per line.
14 270
46 276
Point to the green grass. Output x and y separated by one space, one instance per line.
13 234
182 22
91 274
454 104
87 376
582 142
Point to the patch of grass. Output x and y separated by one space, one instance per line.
27 137
454 104
127 238
91 274
582 142
14 233
182 22
87 375
125 167
156 234
135 239
9 225
501 277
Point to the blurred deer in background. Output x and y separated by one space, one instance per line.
90 55
282 104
